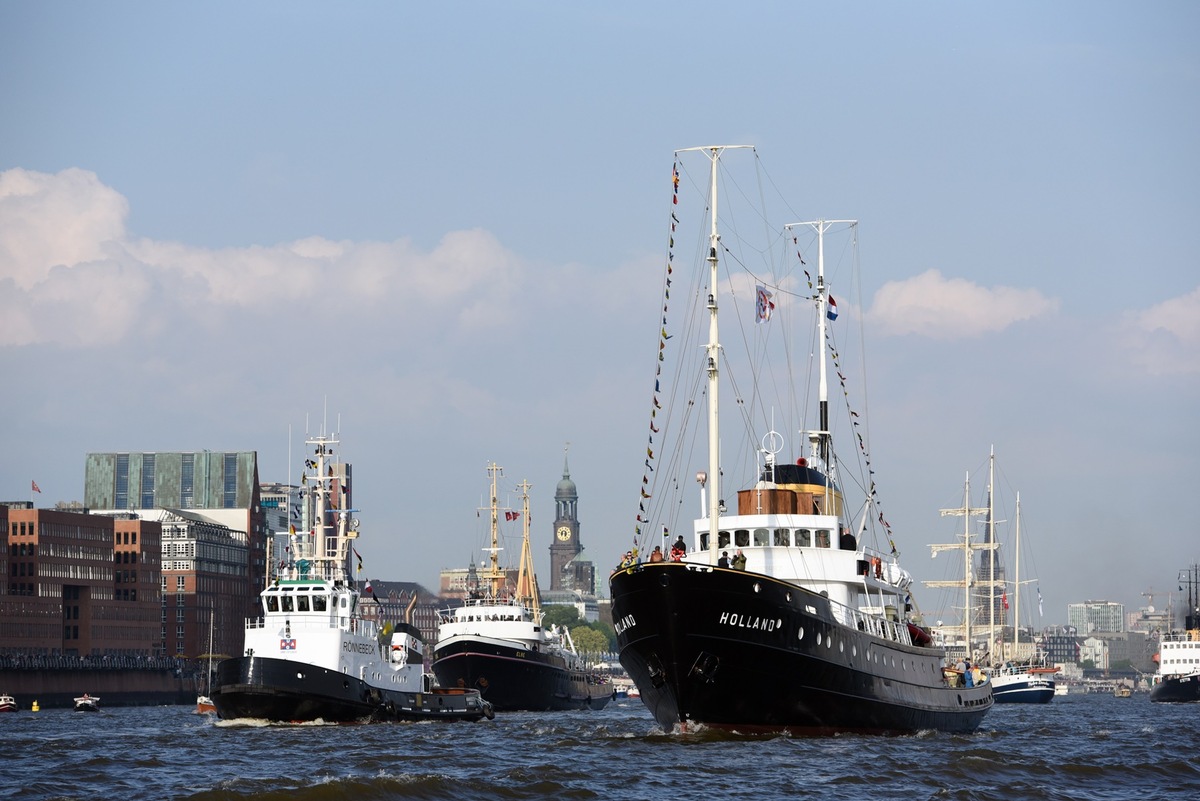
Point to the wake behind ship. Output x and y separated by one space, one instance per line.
314 654
778 615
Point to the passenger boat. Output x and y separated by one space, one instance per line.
1178 676
497 643
818 633
87 703
314 654
7 703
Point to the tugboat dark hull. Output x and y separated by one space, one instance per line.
742 651
1177 689
285 691
512 679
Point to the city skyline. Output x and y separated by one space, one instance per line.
440 234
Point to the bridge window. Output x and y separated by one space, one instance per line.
822 538
803 538
741 537
762 537
782 536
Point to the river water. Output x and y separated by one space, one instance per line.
1079 747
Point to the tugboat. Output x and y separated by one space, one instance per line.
1178 676
313 655
790 613
496 641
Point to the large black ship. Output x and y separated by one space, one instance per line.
791 612
496 642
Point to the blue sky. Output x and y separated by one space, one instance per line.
443 222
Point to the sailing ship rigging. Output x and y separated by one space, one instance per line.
819 632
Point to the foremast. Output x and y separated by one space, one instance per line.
713 351
966 511
494 575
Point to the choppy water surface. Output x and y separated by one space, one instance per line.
1078 747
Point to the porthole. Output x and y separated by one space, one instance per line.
787 596
818 638
829 642
800 633
841 647
757 587
853 650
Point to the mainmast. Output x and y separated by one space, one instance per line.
820 439
527 589
326 551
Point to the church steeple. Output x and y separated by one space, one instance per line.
565 546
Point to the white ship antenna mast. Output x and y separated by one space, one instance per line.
820 439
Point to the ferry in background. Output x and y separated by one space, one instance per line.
1178 675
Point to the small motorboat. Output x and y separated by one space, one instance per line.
7 703
87 703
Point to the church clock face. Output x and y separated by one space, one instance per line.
564 533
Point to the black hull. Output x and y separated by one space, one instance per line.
284 691
1024 695
742 651
513 679
1176 689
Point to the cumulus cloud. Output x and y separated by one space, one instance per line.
934 306
71 274
1165 338
49 220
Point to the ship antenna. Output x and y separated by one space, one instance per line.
820 438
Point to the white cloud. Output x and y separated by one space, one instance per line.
1165 338
49 220
70 274
937 307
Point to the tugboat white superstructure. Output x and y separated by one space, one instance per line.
313 654
816 632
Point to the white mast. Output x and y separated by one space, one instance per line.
820 438
1017 584
713 349
992 555
494 573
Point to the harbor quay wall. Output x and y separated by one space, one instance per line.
119 687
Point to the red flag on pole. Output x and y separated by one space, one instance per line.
36 488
